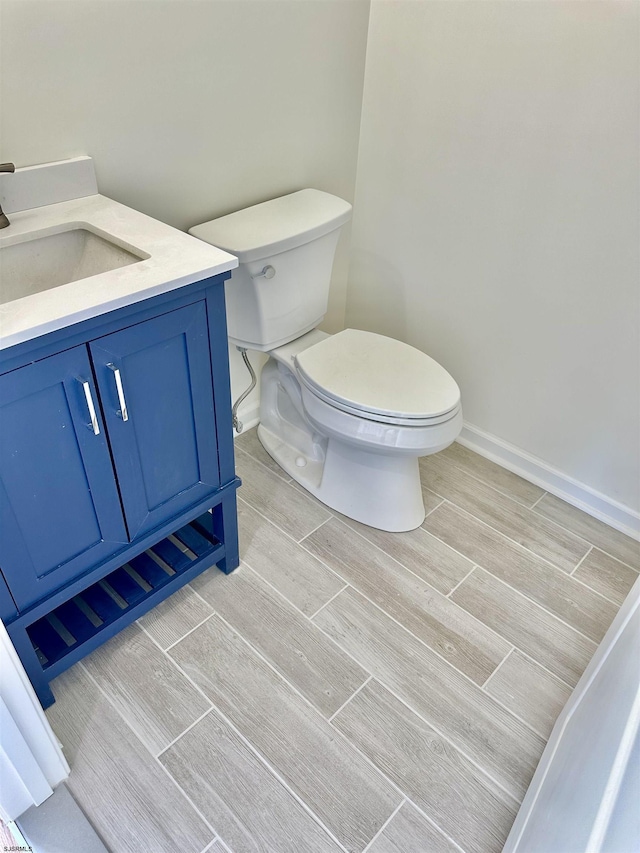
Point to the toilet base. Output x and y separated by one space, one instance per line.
382 491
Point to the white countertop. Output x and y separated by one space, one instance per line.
175 259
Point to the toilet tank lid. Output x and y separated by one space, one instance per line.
275 226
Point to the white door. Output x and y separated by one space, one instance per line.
585 794
31 761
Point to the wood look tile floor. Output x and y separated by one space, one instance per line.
347 689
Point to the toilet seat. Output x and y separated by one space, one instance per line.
379 379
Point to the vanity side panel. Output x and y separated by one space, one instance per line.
219 343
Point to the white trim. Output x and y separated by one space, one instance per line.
249 416
38 745
542 474
566 773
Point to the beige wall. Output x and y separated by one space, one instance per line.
190 108
496 209
496 218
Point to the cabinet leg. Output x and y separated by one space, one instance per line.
32 665
225 528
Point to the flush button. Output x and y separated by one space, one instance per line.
301 461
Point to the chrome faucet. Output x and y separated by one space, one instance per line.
5 167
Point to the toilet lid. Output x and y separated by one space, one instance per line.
380 377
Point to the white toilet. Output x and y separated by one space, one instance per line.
346 415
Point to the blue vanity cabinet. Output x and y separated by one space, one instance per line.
117 479
157 395
59 505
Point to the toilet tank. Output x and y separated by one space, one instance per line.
285 248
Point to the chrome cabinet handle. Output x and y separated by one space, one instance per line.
122 411
92 409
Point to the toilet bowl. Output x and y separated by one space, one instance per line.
353 444
347 415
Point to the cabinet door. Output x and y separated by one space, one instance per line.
157 393
60 511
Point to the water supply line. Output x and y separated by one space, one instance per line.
237 424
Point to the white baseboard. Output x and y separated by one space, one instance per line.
249 416
555 482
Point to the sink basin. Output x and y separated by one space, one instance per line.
49 260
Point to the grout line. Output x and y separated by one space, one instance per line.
283 596
397 562
465 470
303 698
580 536
535 557
509 539
245 740
485 628
616 604
470 572
153 758
433 508
488 679
113 704
195 628
434 589
385 685
422 642
204 600
272 667
564 683
298 541
188 798
385 824
434 824
304 617
544 738
538 514
447 738
262 759
355 693
404 627
447 595
292 483
382 681
190 631
270 521
188 729
580 562
313 616
379 678
179 668
455 550
544 608
536 502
